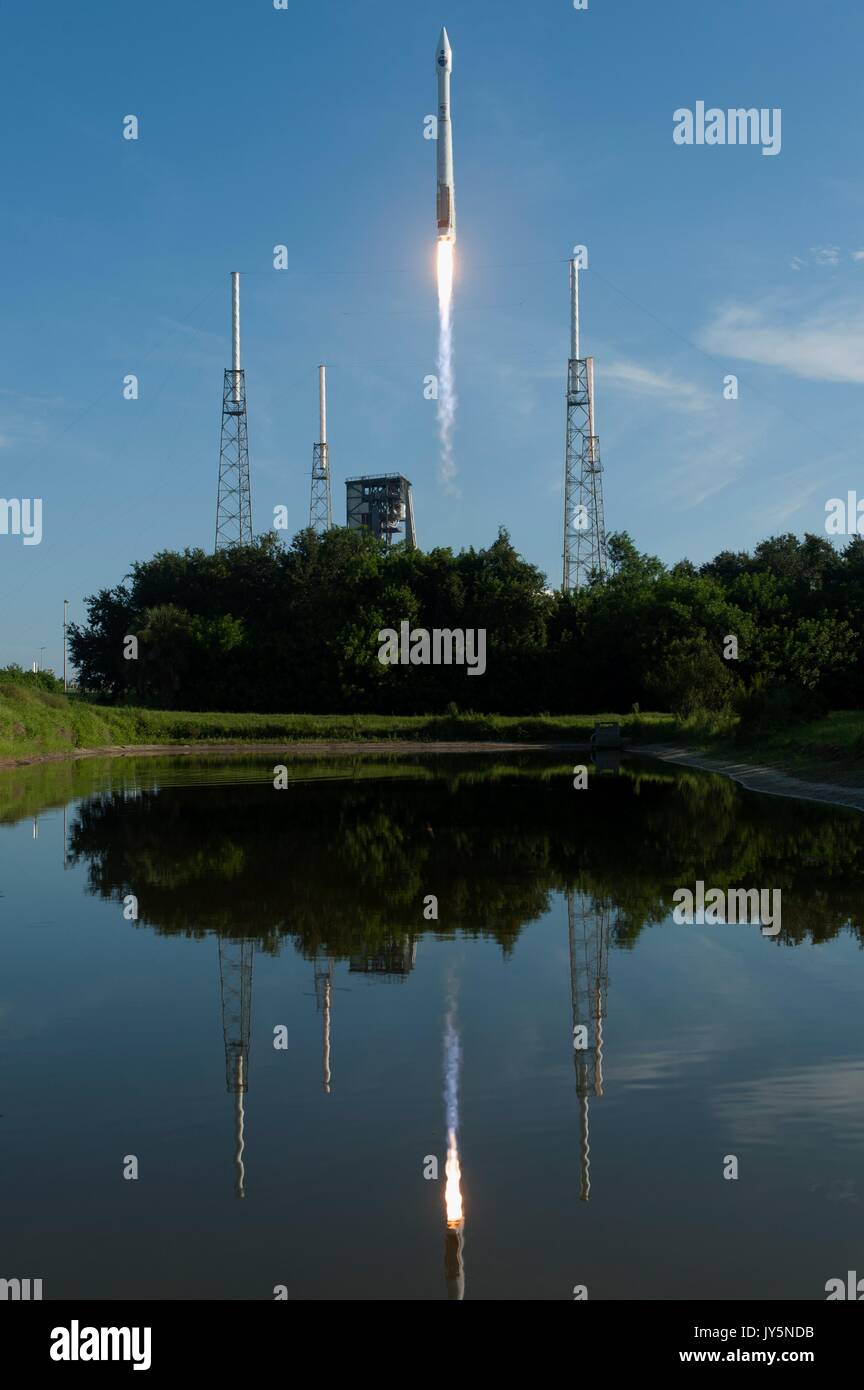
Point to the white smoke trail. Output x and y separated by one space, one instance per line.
447 400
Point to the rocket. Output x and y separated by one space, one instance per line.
446 204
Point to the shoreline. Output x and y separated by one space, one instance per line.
758 777
300 747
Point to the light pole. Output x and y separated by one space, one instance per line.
65 625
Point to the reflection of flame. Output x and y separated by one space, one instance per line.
453 1261
452 1190
446 390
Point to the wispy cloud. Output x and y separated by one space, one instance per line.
676 392
825 345
826 257
704 472
27 419
785 494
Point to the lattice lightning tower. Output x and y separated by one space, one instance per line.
584 526
321 506
234 499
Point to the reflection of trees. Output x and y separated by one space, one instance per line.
343 865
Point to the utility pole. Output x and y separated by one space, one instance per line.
65 626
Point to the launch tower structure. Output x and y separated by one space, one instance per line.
234 498
584 526
384 505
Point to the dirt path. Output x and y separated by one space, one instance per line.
757 778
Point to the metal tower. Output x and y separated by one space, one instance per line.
321 506
234 500
584 525
588 925
235 981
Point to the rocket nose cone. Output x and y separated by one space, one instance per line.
444 55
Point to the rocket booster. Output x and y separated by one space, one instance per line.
446 205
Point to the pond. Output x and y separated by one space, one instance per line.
425 1028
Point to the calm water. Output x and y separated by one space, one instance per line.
303 910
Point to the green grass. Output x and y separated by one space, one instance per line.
34 722
835 744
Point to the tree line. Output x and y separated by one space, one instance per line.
277 627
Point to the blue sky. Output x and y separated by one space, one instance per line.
305 127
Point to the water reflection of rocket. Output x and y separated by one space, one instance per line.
454 1267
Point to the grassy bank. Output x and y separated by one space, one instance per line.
832 747
35 722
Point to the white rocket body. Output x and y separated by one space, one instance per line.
446 204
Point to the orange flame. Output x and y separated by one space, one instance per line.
445 277
452 1190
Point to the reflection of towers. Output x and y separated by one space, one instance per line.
584 525
395 958
323 999
235 979
234 500
588 925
